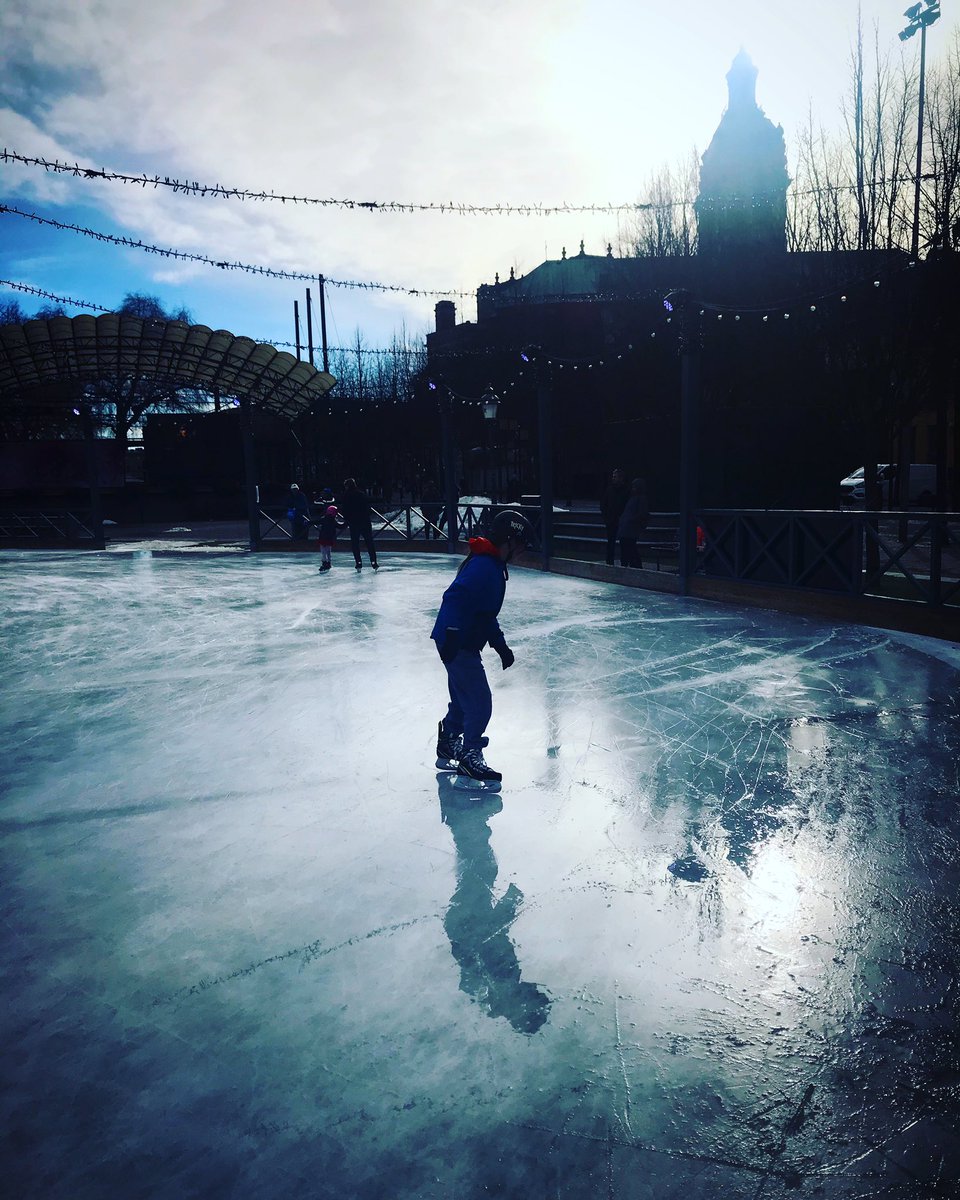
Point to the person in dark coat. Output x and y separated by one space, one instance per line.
298 513
354 507
432 508
611 506
633 524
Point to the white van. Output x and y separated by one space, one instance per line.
922 489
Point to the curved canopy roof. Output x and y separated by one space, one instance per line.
190 356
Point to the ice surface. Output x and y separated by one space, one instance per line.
704 944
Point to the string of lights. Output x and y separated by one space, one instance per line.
403 351
302 276
33 291
386 206
769 315
167 252
223 265
90 306
398 206
709 312
394 351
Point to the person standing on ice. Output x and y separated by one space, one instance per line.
329 520
354 506
298 513
466 622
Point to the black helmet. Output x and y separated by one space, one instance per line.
511 526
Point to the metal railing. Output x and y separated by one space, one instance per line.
411 523
911 557
908 556
44 527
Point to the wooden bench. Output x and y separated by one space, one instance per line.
656 547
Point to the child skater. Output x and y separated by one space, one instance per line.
330 518
466 622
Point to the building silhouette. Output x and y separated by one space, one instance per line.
798 382
742 202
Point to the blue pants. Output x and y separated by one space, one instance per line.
471 704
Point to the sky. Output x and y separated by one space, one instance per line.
532 102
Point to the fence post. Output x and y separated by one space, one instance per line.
93 479
938 536
545 431
250 473
449 483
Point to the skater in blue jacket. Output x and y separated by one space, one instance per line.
466 622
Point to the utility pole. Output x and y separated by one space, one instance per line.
296 326
309 329
323 327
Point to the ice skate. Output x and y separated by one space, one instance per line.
473 774
324 567
449 749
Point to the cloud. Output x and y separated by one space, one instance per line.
381 101
478 101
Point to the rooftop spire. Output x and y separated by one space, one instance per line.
742 81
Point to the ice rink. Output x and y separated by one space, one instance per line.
705 943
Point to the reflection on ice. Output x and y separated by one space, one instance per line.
477 925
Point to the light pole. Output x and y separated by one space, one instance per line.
490 402
541 363
920 16
450 497
680 304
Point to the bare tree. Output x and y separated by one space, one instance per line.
149 308
359 346
120 402
818 206
380 375
665 225
854 190
11 313
943 140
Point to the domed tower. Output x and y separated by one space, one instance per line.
742 203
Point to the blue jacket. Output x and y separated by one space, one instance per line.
472 601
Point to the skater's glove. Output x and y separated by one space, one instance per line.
450 646
499 643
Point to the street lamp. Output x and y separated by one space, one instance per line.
489 401
920 16
680 304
